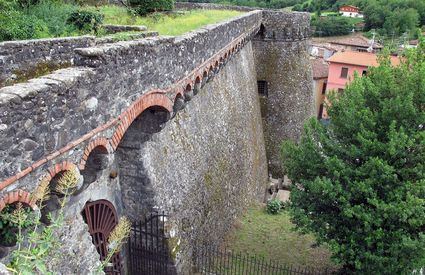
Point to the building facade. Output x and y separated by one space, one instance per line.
350 11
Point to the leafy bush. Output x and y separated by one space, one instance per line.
273 206
331 26
9 226
15 25
360 178
86 21
54 15
144 7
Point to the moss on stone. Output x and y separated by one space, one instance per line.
39 70
173 247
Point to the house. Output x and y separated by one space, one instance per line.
350 11
356 43
343 65
322 50
320 76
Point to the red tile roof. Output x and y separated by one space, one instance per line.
360 59
358 41
320 68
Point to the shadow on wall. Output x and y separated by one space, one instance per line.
137 191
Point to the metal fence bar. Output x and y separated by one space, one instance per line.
213 261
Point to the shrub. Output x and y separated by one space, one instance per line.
331 26
54 15
144 7
86 21
15 25
9 226
360 178
273 206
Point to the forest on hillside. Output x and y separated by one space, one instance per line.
387 17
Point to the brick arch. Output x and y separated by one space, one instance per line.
205 74
57 168
100 143
16 196
126 118
198 79
188 87
216 63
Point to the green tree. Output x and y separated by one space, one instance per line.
401 20
359 182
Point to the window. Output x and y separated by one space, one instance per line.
344 72
324 88
364 72
320 114
263 88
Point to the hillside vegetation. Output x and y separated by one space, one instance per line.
387 17
22 19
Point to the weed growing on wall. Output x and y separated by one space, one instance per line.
37 243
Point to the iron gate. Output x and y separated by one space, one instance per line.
148 247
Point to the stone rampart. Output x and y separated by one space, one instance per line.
282 61
211 6
19 57
163 123
50 115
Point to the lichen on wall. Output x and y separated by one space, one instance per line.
208 162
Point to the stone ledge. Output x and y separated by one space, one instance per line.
124 28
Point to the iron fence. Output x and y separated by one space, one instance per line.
148 247
214 261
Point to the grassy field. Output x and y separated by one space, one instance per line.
272 237
173 24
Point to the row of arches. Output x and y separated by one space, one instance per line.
137 124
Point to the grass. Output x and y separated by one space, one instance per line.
272 237
166 24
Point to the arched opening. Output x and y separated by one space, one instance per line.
101 218
179 104
137 191
95 164
188 93
55 197
261 34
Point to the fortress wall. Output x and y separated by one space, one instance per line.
208 163
210 6
20 57
43 116
281 59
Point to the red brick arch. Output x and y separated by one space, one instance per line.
57 168
101 143
16 196
198 79
135 109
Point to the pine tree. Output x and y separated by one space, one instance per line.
359 182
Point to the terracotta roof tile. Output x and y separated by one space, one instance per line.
359 58
359 41
320 68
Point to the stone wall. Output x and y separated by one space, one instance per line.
169 123
18 57
211 6
49 113
208 163
281 58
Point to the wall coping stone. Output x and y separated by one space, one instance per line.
15 43
124 28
